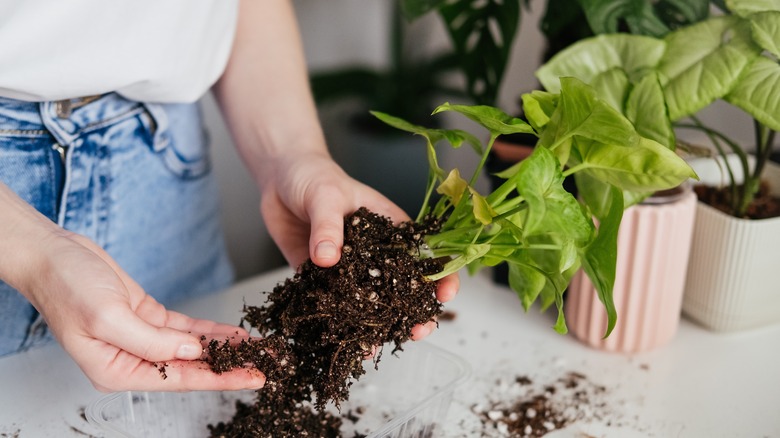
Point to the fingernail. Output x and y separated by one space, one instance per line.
422 331
189 352
326 250
258 380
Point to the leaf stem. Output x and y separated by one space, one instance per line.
714 137
483 159
575 169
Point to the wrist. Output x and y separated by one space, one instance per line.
26 237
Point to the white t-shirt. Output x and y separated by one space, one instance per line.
148 50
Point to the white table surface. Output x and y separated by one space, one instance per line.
703 384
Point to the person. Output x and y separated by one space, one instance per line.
106 198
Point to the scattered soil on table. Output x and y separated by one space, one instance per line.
764 206
318 327
523 409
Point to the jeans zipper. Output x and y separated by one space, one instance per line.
61 150
61 153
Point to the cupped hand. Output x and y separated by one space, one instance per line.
304 203
119 336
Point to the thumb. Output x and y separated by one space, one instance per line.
327 232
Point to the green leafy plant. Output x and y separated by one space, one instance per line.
731 57
530 221
644 17
482 33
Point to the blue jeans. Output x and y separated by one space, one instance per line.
133 177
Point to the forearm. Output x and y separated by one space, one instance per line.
24 234
264 93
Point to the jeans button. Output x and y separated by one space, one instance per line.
63 108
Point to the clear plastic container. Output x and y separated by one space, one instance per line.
408 396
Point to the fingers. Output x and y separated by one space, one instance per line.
447 288
122 327
183 376
205 327
383 206
420 331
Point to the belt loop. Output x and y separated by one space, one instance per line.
61 128
160 137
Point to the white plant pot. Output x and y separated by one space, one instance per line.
734 272
653 247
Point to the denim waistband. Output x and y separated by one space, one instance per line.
67 120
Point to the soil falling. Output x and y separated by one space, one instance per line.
317 328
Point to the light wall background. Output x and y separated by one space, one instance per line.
342 32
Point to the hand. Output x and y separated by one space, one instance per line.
119 335
304 204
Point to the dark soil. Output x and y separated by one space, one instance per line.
764 206
318 327
525 410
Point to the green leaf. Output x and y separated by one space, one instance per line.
453 186
743 8
583 114
482 32
482 210
646 108
510 171
699 67
551 209
594 193
569 256
472 253
433 135
600 259
647 166
560 322
612 87
527 282
678 13
758 92
765 27
538 107
541 173
545 263
605 16
588 58
456 137
491 118
555 137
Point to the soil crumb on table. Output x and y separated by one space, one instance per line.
522 408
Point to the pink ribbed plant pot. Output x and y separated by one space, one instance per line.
654 243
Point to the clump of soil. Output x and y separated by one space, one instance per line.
524 410
764 206
318 327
